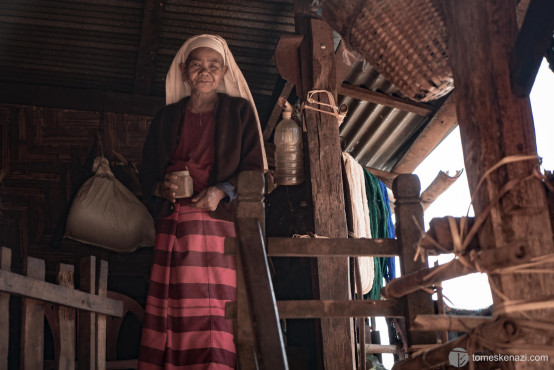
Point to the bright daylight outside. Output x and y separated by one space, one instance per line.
472 291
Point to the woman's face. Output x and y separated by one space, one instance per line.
203 70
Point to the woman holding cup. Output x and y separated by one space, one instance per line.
211 130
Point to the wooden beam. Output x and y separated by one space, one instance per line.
312 309
328 308
371 96
439 185
148 49
318 72
32 320
489 260
438 128
79 99
531 44
306 247
439 232
495 124
21 285
286 60
5 265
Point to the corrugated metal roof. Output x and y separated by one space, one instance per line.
94 44
375 135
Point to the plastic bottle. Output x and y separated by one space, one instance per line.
289 158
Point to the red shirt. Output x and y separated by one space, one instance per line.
196 148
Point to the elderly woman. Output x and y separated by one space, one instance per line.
209 127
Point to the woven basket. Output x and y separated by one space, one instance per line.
404 40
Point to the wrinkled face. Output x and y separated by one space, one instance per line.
203 70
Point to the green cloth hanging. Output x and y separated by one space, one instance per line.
379 219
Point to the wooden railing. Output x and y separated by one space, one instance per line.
257 313
89 306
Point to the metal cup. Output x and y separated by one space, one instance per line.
184 184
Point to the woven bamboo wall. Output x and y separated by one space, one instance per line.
46 156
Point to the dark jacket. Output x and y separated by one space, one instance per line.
237 148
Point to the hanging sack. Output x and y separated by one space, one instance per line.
106 214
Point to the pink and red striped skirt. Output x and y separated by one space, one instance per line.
190 282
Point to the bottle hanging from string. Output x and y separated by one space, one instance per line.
289 158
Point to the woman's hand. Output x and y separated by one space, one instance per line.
166 189
208 198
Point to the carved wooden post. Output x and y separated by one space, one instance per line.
87 320
5 264
66 322
409 223
32 321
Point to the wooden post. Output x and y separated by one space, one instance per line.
66 322
32 321
409 223
318 72
101 319
261 299
87 320
494 124
5 264
250 195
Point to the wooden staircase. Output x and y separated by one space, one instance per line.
259 336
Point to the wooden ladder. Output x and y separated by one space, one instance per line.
259 337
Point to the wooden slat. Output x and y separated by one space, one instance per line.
260 294
371 96
101 319
246 341
21 285
276 112
87 320
531 44
312 247
32 320
5 265
381 348
439 127
448 322
66 322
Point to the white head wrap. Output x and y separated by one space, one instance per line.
233 83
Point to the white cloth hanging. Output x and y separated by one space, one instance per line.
361 227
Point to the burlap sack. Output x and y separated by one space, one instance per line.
106 214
